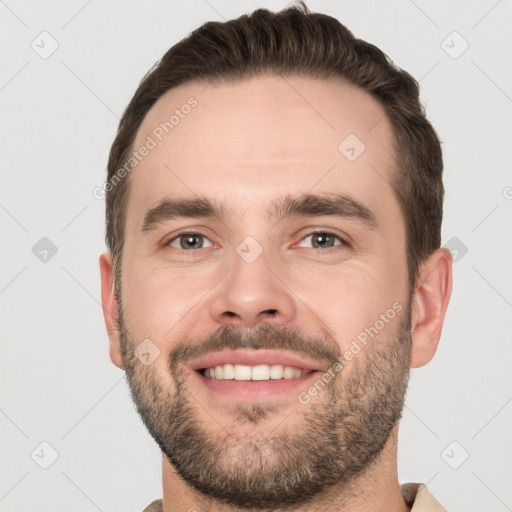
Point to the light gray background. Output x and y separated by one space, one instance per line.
59 116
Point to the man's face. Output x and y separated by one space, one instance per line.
254 292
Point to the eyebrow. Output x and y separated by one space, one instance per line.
304 205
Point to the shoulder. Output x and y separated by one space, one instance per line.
155 506
418 497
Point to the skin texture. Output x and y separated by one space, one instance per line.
246 144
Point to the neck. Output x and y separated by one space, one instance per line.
375 490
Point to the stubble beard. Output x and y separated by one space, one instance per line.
341 435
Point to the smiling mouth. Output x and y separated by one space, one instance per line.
260 372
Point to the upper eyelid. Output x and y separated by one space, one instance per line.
189 232
343 238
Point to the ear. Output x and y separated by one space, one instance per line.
429 304
110 311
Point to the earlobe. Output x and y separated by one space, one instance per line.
110 311
429 304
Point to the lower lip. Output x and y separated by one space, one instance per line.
254 389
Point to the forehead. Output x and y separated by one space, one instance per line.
248 139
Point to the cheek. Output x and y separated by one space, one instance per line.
158 302
354 303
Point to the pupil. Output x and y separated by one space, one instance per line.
322 236
189 241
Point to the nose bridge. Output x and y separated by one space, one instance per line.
252 292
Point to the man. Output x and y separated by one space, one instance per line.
274 206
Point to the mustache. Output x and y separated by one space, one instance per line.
264 336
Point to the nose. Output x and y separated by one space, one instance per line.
253 293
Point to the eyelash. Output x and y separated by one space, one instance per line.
343 244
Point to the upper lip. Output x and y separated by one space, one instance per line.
251 357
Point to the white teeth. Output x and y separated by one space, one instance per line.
276 371
242 372
291 373
228 371
261 372
258 372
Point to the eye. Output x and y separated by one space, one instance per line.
189 241
325 240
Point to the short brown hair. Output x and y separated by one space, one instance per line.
297 42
